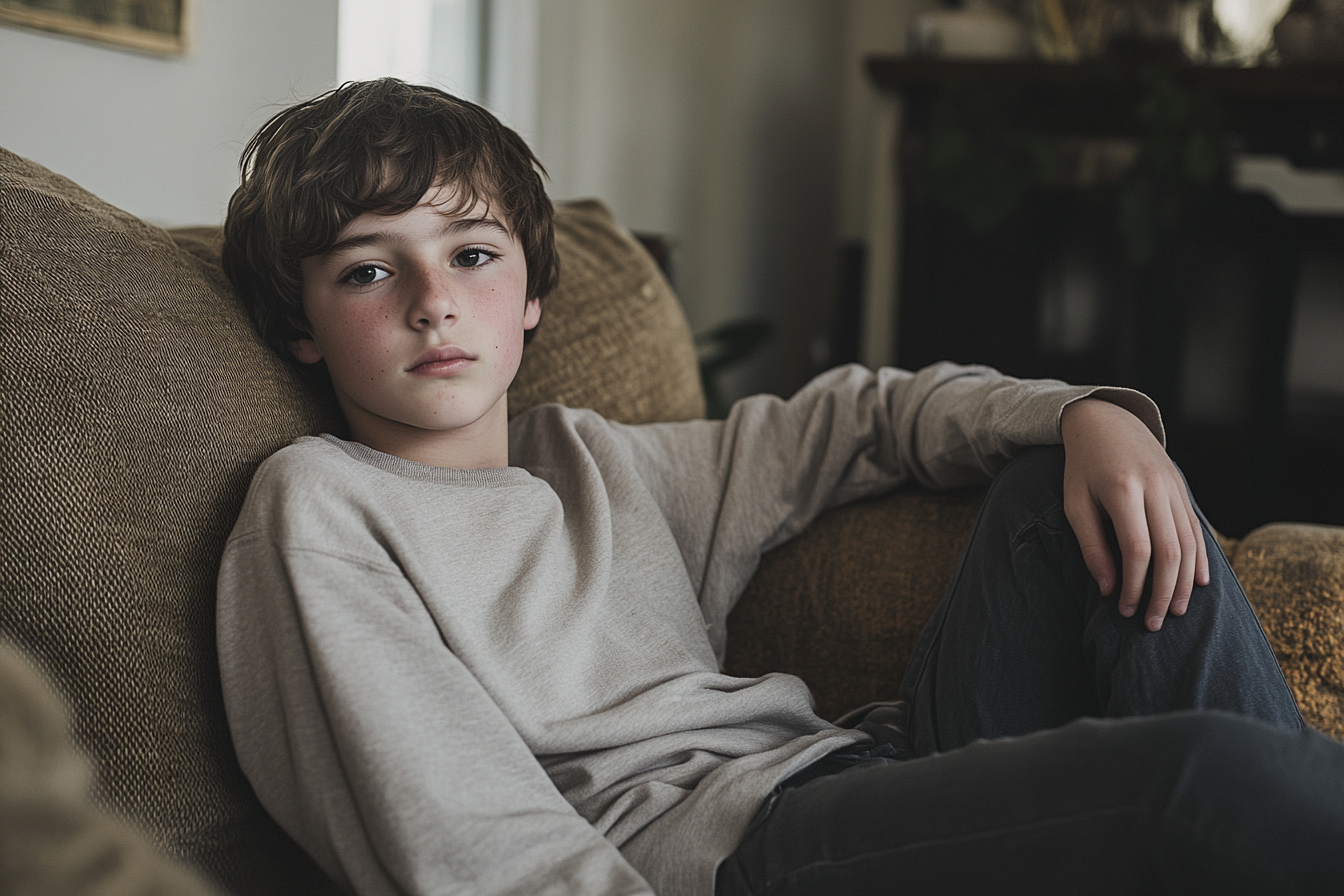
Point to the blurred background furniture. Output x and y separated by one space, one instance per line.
1141 221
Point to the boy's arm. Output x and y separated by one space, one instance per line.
735 489
376 749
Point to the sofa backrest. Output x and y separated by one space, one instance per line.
137 401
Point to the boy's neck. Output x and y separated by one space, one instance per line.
482 445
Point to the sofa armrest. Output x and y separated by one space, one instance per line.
842 604
1293 574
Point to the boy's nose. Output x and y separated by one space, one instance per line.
434 301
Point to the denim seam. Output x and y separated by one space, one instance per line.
1259 627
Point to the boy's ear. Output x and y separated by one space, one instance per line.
531 315
306 351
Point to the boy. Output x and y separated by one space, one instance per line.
467 655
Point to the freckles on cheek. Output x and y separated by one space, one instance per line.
361 345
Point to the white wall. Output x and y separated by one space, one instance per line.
434 42
161 137
744 129
715 122
869 207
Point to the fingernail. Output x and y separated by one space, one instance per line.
1127 611
1179 608
1154 623
1104 584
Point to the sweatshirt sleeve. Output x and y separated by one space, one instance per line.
734 489
374 747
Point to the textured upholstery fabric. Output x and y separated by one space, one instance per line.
842 605
52 841
1294 575
612 337
137 402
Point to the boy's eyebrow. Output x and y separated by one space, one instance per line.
453 225
457 225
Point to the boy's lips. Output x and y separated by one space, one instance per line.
442 359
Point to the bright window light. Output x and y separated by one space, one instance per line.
422 41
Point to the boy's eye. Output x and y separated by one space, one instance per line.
366 274
471 258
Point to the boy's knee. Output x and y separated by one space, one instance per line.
1041 463
1033 480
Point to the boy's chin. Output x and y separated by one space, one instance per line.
437 432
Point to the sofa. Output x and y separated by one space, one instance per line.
138 400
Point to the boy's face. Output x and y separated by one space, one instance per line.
420 318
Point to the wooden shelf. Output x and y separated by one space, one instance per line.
975 294
1325 81
1296 111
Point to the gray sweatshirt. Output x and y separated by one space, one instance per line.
507 680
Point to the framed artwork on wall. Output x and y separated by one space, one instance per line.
160 27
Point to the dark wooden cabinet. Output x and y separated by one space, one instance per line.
1083 222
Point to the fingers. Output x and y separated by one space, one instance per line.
1131 531
1115 467
1201 556
1090 531
1174 558
1202 575
1157 531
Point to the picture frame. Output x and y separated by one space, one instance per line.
158 27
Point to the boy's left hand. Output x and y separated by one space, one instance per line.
1114 467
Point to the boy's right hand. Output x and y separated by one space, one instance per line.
1114 467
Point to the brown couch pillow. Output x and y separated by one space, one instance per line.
842 605
1294 575
612 336
137 402
52 842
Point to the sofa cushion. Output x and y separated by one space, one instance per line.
612 336
842 605
1294 575
52 841
137 402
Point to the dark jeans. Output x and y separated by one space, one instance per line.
1058 747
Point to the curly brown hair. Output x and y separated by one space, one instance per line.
371 146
